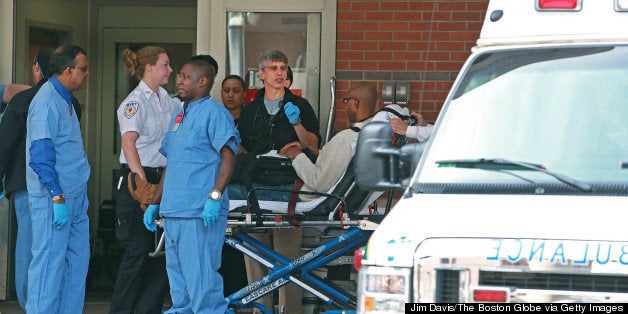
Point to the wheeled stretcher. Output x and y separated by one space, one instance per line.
345 209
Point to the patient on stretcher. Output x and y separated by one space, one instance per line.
321 175
332 159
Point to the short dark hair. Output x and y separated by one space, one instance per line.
43 61
235 77
203 68
209 59
63 57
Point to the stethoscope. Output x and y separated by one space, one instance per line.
264 123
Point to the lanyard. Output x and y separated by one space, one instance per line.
179 118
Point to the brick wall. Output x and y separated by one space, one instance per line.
424 42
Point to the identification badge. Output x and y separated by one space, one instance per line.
177 121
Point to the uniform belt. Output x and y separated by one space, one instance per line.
157 170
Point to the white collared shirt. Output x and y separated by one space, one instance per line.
147 113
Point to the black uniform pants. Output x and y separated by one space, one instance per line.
142 281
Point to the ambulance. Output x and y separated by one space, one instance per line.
521 193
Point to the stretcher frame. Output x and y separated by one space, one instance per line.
282 270
333 213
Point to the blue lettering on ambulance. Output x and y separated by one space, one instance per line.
623 258
497 248
584 260
534 251
608 254
559 252
516 258
563 252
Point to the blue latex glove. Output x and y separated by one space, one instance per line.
60 212
238 139
210 212
292 112
149 217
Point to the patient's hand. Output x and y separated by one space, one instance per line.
296 144
291 150
398 126
419 117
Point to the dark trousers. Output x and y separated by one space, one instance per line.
232 270
142 281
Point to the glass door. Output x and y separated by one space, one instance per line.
236 32
296 34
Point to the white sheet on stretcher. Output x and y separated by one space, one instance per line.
279 207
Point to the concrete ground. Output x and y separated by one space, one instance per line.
98 303
95 303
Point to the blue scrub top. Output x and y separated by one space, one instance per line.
51 117
193 157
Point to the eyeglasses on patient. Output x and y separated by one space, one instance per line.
346 100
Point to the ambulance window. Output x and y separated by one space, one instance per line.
562 108
492 65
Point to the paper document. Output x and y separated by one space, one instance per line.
272 154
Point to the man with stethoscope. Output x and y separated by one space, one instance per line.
275 119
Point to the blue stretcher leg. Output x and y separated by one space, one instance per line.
263 286
281 275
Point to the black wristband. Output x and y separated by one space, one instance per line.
309 154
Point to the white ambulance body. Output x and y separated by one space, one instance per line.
521 193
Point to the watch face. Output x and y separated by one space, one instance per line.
215 195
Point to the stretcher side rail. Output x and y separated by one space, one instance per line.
345 196
356 230
253 207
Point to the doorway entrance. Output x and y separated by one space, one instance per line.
114 86
38 37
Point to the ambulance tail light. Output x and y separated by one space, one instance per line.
357 258
559 5
489 294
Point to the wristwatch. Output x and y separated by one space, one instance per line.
59 199
215 195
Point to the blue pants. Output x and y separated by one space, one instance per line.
58 270
22 245
193 254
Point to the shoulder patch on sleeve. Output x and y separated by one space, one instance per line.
130 109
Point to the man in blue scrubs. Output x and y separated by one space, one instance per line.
200 146
56 179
